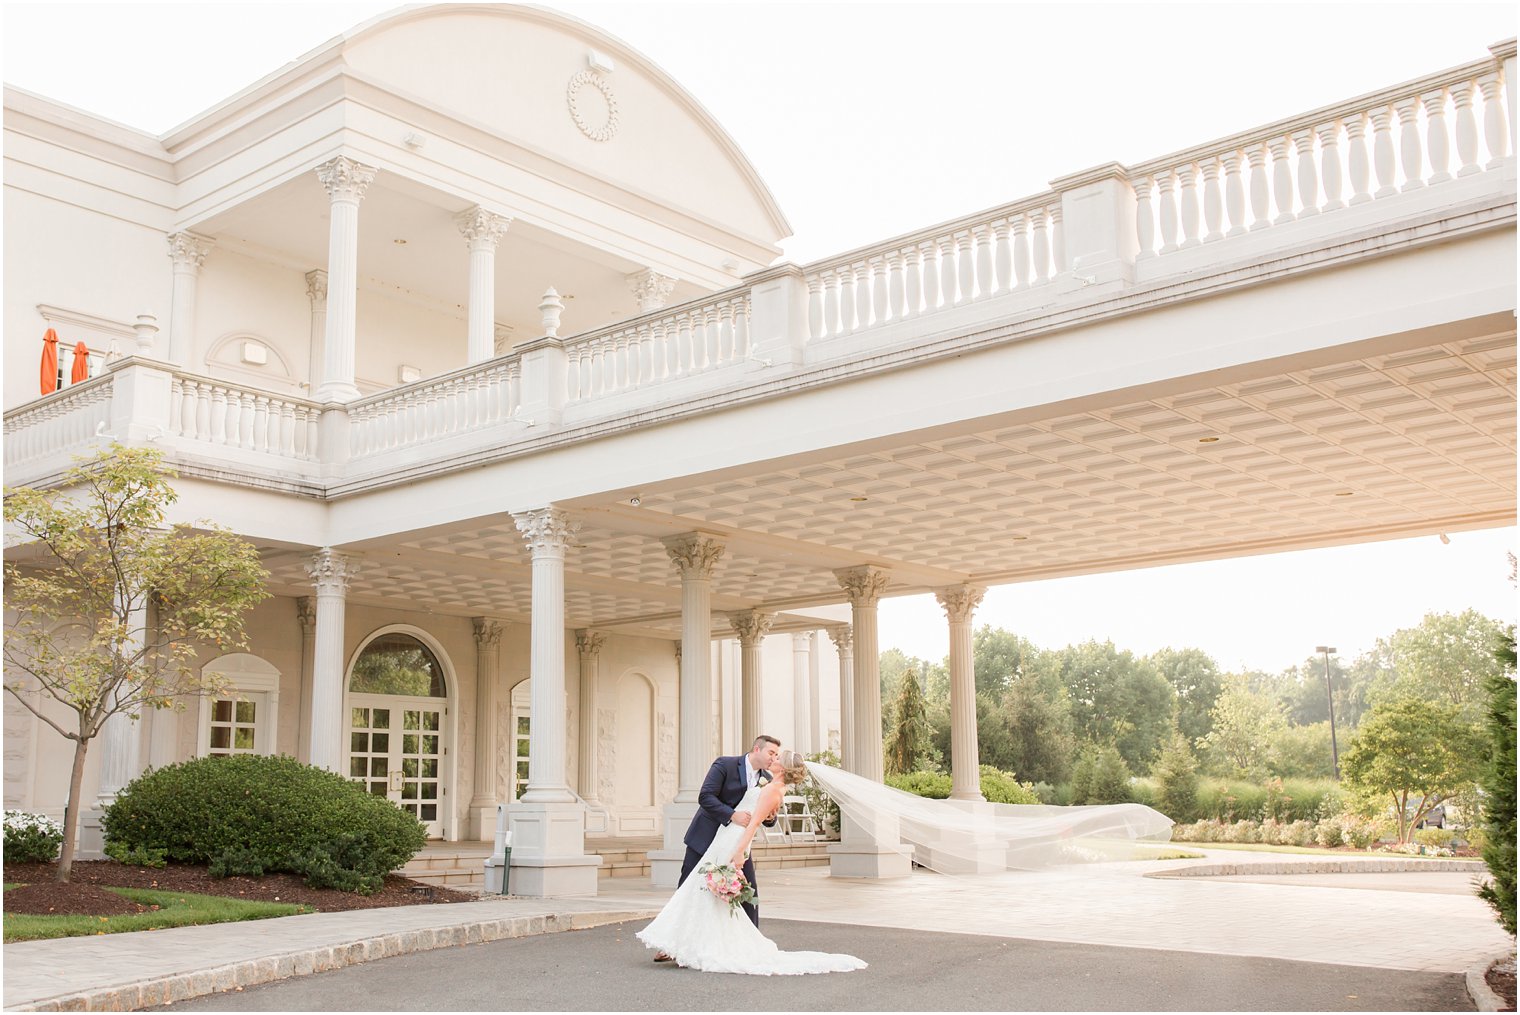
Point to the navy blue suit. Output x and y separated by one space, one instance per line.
723 789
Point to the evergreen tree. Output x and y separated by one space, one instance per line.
1176 775
1499 786
908 745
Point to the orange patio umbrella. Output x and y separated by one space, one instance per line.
50 362
81 371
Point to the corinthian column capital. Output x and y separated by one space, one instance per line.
487 631
589 643
331 571
483 229
188 250
960 601
864 585
751 625
316 287
843 637
345 179
547 531
650 289
694 554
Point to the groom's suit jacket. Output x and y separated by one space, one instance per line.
722 790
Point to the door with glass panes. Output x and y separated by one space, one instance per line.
395 748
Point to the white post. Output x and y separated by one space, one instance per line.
306 615
482 810
778 316
751 628
844 641
1101 219
187 251
120 748
548 822
802 722
818 731
316 292
330 573
483 230
346 182
959 602
589 646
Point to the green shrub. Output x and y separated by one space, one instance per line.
1001 787
1360 832
822 806
1434 836
1329 832
934 785
1231 799
250 813
1101 777
1176 775
137 856
31 838
1499 786
1143 791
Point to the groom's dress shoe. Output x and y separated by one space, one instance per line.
662 957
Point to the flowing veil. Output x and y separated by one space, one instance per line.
963 837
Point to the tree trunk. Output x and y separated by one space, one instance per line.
71 816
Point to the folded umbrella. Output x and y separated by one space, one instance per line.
81 371
50 362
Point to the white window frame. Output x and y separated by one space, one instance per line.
254 680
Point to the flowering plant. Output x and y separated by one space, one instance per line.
728 884
31 838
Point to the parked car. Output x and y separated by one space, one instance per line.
1434 818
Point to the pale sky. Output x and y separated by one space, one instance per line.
867 120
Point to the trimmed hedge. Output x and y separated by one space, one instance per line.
998 787
249 814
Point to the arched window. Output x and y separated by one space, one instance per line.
398 663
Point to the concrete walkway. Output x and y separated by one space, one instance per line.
1267 915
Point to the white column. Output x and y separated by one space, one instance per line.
694 554
859 855
651 290
818 730
589 645
483 230
306 614
802 722
120 747
330 573
186 252
549 823
346 182
316 293
844 642
959 602
482 810
751 627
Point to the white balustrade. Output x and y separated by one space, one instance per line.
1420 134
484 394
58 423
204 410
676 342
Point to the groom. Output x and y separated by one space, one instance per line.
723 789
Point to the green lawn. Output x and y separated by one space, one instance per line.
176 909
1160 853
1258 847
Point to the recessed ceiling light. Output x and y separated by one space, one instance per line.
1018 539
858 500
1208 440
399 242
1343 493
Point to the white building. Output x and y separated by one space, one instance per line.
472 325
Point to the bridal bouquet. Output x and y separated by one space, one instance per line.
727 883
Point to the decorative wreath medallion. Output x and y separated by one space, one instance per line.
595 133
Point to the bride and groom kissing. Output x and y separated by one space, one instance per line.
699 930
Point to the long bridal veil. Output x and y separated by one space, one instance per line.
961 837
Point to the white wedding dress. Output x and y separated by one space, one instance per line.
702 932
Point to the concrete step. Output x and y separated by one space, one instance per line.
464 866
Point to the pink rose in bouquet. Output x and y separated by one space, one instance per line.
727 883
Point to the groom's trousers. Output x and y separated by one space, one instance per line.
751 909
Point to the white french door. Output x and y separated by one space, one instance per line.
396 750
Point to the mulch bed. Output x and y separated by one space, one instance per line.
43 894
1501 980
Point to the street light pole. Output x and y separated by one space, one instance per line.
1335 754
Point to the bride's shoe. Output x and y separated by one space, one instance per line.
662 957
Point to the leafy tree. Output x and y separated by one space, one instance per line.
1176 775
1118 699
1246 725
908 745
1414 752
1448 657
105 556
1034 720
1101 777
1303 752
1301 690
1001 658
1195 677
1499 786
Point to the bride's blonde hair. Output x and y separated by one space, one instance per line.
795 767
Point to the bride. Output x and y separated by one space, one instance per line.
700 931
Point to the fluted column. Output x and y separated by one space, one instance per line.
695 555
818 731
119 747
651 290
959 602
547 532
487 672
482 230
306 616
330 573
346 182
864 586
187 251
751 627
802 722
843 637
588 645
316 294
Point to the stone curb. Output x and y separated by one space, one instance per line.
247 973
1216 870
1478 989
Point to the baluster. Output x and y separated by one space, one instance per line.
1495 123
1330 163
1040 252
1256 157
913 280
862 296
965 267
878 291
312 420
658 352
896 286
685 359
699 357
612 368
846 300
288 429
947 270
1187 185
260 423
1437 143
203 412
984 280
1411 155
1145 223
176 398
644 336
741 328
1213 206
1308 177
831 304
1002 257
815 308
1358 168
1022 276
1234 193
602 368
726 312
218 414
234 418
513 389
1382 150
714 340
929 262
1282 180
1057 242
188 393
1166 218
1466 128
